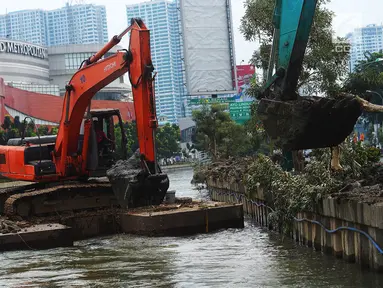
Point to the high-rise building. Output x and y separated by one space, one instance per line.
365 39
77 24
25 25
162 18
72 24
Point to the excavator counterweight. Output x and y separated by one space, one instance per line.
292 121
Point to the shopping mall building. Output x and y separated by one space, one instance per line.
33 77
47 70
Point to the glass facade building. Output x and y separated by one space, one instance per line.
365 39
72 24
162 18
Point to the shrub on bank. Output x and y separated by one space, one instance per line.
290 193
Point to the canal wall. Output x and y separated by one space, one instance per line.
345 228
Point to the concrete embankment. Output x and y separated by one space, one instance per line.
346 228
181 218
170 168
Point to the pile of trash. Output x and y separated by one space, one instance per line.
232 170
8 226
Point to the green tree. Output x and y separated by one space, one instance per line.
368 75
43 130
131 136
167 140
219 135
325 62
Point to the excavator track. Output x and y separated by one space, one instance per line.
59 199
5 193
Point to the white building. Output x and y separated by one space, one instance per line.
161 18
26 66
72 24
365 39
64 61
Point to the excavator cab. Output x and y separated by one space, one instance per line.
38 150
292 121
108 152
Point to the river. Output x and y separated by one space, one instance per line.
249 257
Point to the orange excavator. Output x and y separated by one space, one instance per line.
58 166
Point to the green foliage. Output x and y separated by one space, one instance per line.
167 140
291 193
368 75
16 128
220 136
131 136
257 135
325 62
43 130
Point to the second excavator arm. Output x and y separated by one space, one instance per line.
292 121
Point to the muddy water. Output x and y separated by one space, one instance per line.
250 257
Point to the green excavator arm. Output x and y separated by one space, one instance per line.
292 121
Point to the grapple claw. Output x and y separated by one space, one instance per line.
134 187
309 122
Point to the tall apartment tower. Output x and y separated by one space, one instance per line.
72 24
25 25
365 39
161 17
77 24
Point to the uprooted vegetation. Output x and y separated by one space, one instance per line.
361 178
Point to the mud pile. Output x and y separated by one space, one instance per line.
308 122
8 226
121 176
134 187
232 170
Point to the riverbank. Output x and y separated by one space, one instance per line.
168 168
344 227
248 257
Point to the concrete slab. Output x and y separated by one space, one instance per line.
42 236
178 220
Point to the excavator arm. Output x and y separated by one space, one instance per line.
95 74
292 25
292 121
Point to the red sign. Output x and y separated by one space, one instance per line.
244 74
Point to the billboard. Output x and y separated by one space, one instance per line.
208 46
244 74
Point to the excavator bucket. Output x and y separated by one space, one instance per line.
134 187
309 122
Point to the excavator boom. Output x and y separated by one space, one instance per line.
296 122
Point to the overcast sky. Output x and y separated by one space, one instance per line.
349 15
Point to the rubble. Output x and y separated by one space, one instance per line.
9 226
232 170
133 186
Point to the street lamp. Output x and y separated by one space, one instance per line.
374 92
376 117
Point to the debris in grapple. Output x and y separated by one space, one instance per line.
133 187
309 122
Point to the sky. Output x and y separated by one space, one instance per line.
350 14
